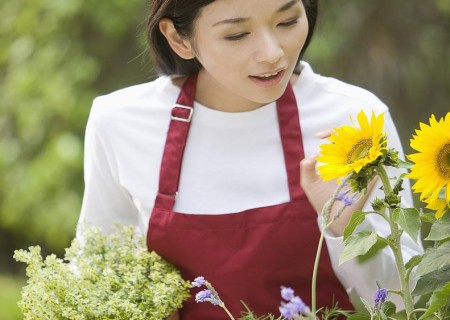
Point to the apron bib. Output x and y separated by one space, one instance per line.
247 255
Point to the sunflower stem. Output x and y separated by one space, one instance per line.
382 173
395 245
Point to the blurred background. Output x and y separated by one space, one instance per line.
56 56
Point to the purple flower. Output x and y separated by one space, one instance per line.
348 201
380 296
198 282
294 306
298 305
206 295
201 296
285 310
209 294
287 293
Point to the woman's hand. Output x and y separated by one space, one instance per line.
319 192
174 316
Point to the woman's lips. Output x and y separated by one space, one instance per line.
268 80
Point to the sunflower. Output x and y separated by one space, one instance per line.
439 205
431 168
352 148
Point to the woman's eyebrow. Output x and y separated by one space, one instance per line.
232 21
287 6
284 7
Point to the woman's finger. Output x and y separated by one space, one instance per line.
308 171
324 133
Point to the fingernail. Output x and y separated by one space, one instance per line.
322 134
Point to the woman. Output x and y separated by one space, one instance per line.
205 160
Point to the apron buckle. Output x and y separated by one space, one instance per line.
181 115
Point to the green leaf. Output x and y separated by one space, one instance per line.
388 308
404 164
440 230
438 300
359 316
367 305
434 259
428 217
358 244
356 219
414 261
432 281
379 245
408 220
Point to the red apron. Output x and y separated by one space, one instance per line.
246 255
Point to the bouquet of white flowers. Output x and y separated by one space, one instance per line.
108 277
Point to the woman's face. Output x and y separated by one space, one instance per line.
248 50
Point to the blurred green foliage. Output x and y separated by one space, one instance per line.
56 56
9 295
400 50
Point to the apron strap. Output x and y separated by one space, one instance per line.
291 139
177 134
181 117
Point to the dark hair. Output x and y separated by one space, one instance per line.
183 13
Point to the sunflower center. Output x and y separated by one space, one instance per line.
359 150
443 161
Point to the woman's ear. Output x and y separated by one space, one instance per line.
181 46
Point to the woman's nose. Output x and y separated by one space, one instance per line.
268 49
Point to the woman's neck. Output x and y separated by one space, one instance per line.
216 102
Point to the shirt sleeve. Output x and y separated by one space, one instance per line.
362 277
105 202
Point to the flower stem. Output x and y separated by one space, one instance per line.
384 178
227 311
327 208
326 222
314 276
395 245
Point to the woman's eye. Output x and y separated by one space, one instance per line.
288 23
236 37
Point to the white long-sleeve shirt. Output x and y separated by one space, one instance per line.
232 161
